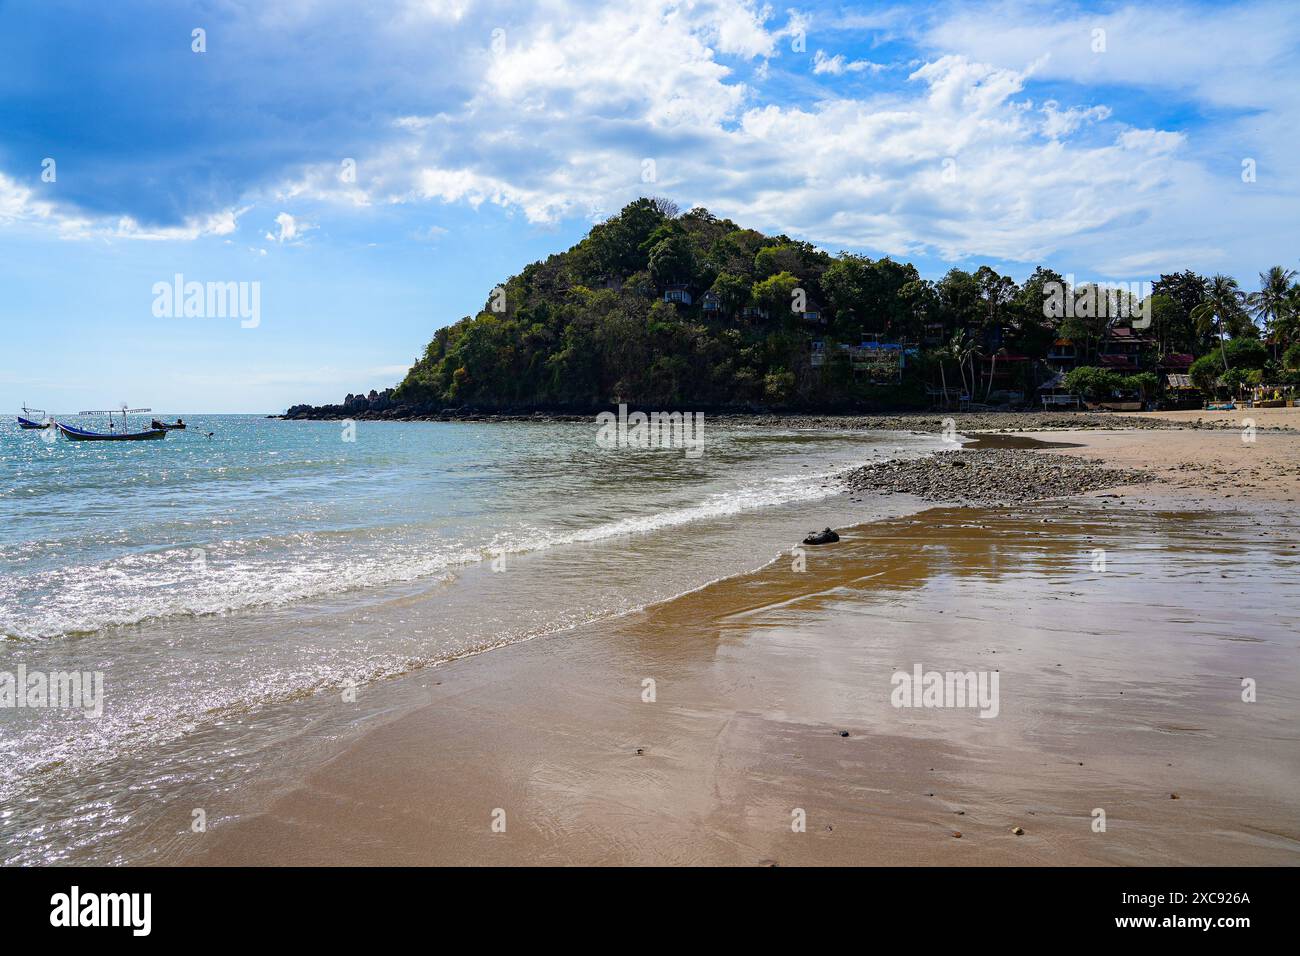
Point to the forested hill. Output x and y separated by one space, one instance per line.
664 310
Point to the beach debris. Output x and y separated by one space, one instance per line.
1173 796
844 733
957 834
821 537
1018 831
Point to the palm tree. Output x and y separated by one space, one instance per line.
1222 309
941 353
966 349
1286 327
1271 300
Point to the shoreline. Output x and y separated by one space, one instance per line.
919 421
761 670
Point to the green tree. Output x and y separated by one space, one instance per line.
732 291
775 293
1221 310
1094 384
1273 299
672 260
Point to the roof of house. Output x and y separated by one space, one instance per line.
1177 360
1127 333
1117 361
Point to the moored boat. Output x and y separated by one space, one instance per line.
34 418
81 434
178 425
85 434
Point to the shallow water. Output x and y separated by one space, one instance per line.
231 590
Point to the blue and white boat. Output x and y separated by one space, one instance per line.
34 418
83 434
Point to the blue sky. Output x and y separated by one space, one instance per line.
1104 140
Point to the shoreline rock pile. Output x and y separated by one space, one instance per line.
990 476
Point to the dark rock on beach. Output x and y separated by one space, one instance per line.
821 537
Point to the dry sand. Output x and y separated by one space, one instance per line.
1205 467
1119 689
1264 417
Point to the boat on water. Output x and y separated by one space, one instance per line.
178 425
85 434
34 418
81 434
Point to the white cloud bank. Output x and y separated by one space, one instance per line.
576 108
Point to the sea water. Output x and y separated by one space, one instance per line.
249 597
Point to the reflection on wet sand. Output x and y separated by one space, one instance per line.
703 729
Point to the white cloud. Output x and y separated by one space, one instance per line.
1058 123
837 66
19 204
963 159
288 229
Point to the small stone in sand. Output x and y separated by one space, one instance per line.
957 834
1018 831
844 733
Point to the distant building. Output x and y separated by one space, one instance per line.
812 313
1124 349
1003 371
1063 355
677 294
1053 393
753 312
1176 363
711 302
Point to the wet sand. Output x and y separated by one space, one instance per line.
1117 690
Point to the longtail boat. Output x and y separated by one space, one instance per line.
34 418
81 434
84 434
178 425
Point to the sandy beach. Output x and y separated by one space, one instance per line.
752 722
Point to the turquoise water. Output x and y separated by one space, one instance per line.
228 587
